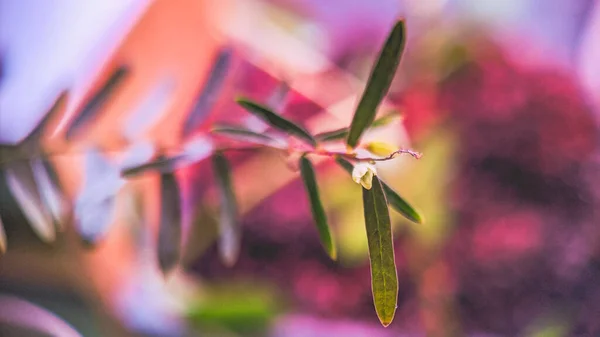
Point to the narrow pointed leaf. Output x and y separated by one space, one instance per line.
169 236
49 191
276 120
384 279
342 133
91 109
210 92
21 182
229 228
160 164
393 198
378 83
310 183
400 205
33 138
2 238
240 133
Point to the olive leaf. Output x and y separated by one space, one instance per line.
229 228
169 233
310 183
240 133
210 91
342 133
393 198
275 120
91 109
378 83
384 279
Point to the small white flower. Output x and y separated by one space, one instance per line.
363 174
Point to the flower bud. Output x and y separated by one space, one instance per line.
363 174
381 149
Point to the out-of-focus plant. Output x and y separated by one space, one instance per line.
299 145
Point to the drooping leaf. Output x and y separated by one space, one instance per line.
95 204
342 133
393 198
2 238
21 183
210 92
240 133
169 235
400 205
276 120
384 279
91 109
378 83
49 191
310 183
194 150
229 228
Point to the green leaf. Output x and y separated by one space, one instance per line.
210 92
400 205
384 279
160 164
393 198
310 182
169 235
229 229
343 132
378 83
240 133
276 120
94 106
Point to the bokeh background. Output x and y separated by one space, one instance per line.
501 96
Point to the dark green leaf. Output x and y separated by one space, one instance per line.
210 92
384 279
91 109
400 205
169 235
332 135
310 183
393 198
378 83
229 229
241 133
343 132
275 120
160 164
